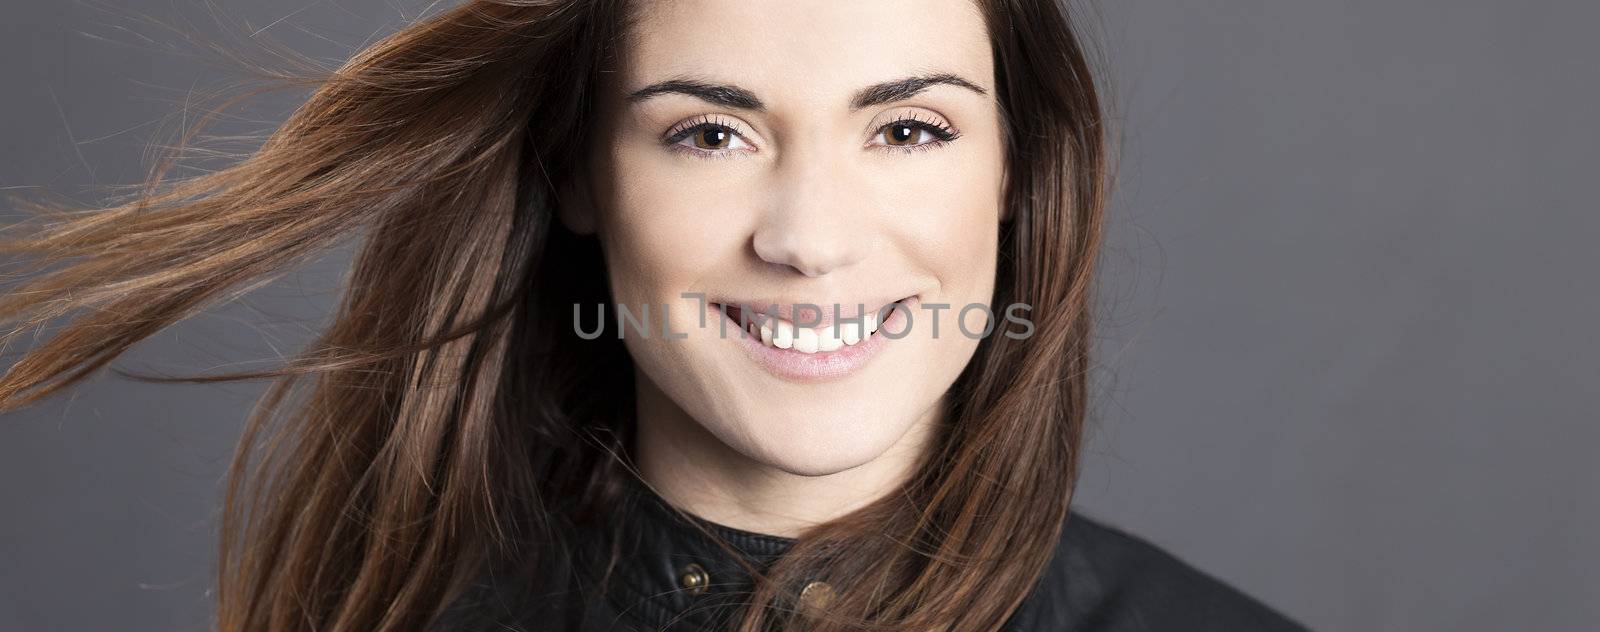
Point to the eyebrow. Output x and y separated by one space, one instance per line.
724 95
900 90
733 96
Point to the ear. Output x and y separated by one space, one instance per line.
575 205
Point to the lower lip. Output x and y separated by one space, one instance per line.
816 367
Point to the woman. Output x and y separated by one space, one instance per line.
477 442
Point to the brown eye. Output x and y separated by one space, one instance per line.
900 134
910 132
712 138
708 138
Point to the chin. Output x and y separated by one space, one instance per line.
810 443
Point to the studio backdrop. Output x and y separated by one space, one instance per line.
1346 357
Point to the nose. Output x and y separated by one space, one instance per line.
817 224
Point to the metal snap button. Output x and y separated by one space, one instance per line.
694 579
817 595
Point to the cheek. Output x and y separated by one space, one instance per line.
951 224
663 233
952 221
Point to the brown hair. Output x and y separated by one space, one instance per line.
448 417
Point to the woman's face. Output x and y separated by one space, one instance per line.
767 154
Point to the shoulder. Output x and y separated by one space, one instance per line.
1104 579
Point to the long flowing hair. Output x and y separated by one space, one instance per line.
448 417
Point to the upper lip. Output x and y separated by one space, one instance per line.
848 310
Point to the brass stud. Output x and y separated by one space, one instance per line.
817 595
694 579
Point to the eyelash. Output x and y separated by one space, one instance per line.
693 126
942 133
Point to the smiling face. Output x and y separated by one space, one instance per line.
766 154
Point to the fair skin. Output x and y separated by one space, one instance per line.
746 157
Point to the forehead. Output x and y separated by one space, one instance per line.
805 50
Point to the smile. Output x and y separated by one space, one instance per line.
831 349
782 334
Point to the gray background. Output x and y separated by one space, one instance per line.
1347 361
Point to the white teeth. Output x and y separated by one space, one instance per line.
850 332
805 340
828 340
782 334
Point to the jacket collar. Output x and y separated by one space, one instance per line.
666 570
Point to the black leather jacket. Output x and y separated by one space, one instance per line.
670 577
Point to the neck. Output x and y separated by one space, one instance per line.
694 470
